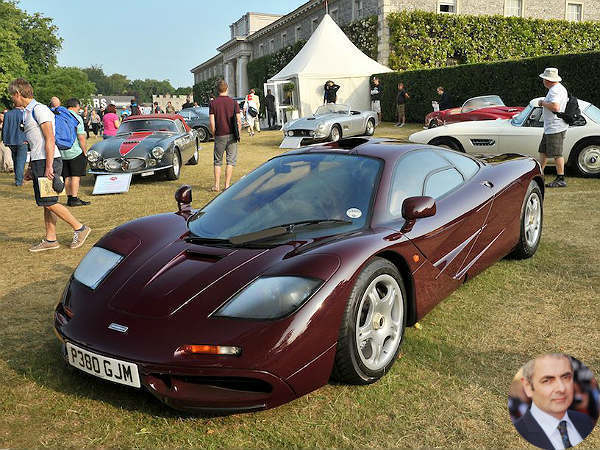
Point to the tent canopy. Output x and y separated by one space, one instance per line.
330 55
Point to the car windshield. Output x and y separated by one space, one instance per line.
334 188
201 110
518 120
332 108
482 102
187 114
593 113
129 126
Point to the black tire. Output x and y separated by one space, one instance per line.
174 171
433 124
203 134
370 128
335 136
527 246
447 142
193 161
349 366
585 159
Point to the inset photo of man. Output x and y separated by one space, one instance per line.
553 401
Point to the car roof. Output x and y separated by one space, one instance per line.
158 116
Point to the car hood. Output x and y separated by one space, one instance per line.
311 122
470 128
132 144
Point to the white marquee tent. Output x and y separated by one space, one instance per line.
327 55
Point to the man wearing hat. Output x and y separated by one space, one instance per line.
555 128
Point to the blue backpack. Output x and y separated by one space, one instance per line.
65 127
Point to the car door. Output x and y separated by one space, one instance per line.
524 133
187 143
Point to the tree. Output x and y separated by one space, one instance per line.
97 76
39 42
117 84
183 91
12 64
65 83
144 89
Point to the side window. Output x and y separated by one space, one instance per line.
438 183
535 119
410 174
464 164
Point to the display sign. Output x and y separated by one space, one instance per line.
112 184
291 142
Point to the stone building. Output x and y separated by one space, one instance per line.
176 100
257 34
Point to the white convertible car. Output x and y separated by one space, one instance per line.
522 134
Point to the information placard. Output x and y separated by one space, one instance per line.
112 184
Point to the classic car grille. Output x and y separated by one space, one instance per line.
124 164
302 133
483 142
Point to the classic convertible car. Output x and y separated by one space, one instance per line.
485 107
197 119
145 145
310 266
523 134
330 122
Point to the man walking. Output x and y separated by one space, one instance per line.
188 103
376 91
14 138
224 113
252 97
74 159
555 128
401 104
45 166
270 105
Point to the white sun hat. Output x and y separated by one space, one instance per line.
551 74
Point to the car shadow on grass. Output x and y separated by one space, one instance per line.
31 349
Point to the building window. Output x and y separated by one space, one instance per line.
574 12
298 31
334 14
284 41
314 24
514 8
447 6
271 45
357 9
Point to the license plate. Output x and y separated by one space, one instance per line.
146 174
111 369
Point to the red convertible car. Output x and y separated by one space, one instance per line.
487 107
307 268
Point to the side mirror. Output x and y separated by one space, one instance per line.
414 208
183 196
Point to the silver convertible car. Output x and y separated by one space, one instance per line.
330 122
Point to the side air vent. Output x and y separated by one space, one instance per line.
482 142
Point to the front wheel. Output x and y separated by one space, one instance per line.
335 133
370 130
175 169
532 219
586 160
372 326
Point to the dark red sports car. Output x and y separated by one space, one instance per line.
309 267
486 107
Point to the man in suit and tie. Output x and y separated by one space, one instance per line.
549 424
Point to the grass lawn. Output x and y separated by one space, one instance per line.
448 388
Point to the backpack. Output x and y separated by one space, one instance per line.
572 111
252 111
65 127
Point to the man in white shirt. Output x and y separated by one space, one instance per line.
549 424
555 128
45 163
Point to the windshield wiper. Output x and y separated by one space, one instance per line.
283 229
205 240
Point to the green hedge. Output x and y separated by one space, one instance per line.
423 39
363 34
517 82
204 90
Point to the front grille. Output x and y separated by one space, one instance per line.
302 133
124 164
241 384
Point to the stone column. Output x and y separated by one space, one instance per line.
242 75
383 31
230 77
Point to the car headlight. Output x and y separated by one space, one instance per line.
93 156
158 152
270 298
321 127
290 133
95 266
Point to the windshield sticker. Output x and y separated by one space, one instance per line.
354 213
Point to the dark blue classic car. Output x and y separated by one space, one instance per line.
197 118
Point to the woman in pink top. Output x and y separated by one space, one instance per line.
110 121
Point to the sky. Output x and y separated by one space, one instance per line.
157 39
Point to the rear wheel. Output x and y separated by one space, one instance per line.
586 159
202 134
370 129
372 326
447 142
175 169
532 218
335 133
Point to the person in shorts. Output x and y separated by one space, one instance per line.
376 91
74 159
46 163
221 112
551 145
401 98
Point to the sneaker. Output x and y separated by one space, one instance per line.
398 124
79 237
76 201
401 125
44 245
557 183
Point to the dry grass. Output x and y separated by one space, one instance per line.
448 389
